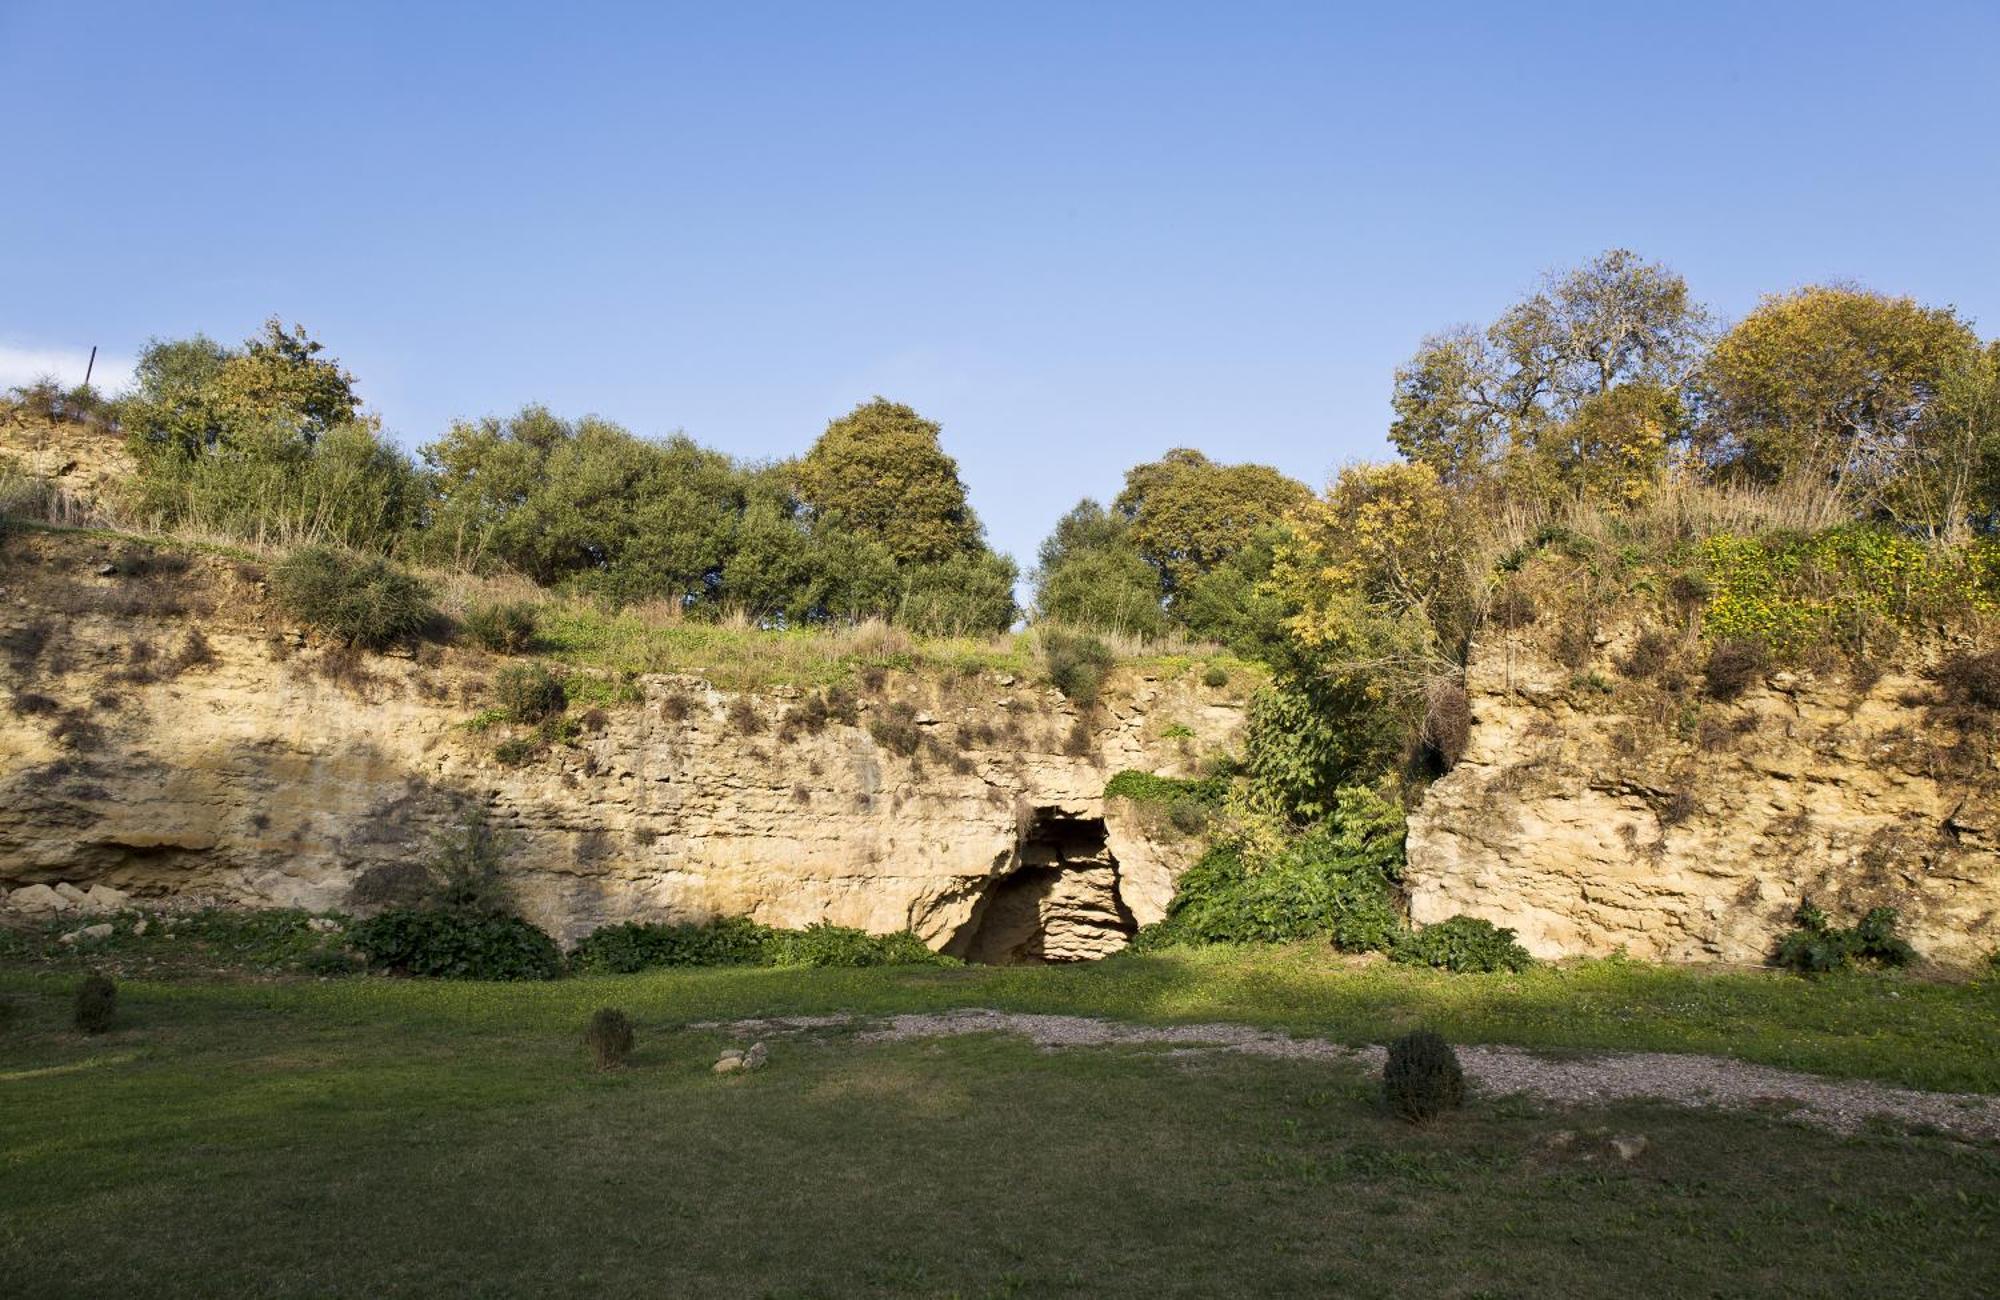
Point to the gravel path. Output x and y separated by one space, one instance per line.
1841 1105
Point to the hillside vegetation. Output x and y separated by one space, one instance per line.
1812 488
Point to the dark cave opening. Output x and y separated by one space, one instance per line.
1059 902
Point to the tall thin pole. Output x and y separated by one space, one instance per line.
90 365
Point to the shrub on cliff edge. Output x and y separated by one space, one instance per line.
359 601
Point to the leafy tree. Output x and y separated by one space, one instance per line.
193 394
1471 403
1236 604
965 594
1189 514
1091 575
1882 398
587 503
881 472
1387 545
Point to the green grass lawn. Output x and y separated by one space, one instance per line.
371 1137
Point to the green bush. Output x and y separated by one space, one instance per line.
739 941
358 601
505 627
1076 663
610 1038
1145 787
96 1003
821 944
1334 882
1215 675
529 692
444 943
1817 946
635 946
1850 585
1464 944
1422 1079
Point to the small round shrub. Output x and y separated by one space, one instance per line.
610 1038
445 944
96 1003
505 627
1215 676
1733 665
1447 726
895 728
361 601
518 750
1422 1078
529 692
1649 655
1463 944
1076 664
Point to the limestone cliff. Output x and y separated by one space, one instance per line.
1593 813
166 735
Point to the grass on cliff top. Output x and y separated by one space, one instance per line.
377 1138
733 654
1881 1026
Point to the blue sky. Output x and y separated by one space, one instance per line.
1078 235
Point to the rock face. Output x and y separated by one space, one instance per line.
168 739
82 463
1606 816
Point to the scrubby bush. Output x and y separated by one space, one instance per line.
464 867
743 716
1971 680
1446 729
505 627
1816 946
635 946
1733 665
518 750
1463 944
895 728
529 692
1215 675
1649 654
359 601
446 943
96 1003
610 1038
1076 663
1422 1078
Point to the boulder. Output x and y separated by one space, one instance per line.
103 898
37 900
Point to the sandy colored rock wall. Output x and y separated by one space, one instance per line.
1608 815
253 768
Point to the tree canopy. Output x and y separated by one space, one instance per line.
880 471
1887 401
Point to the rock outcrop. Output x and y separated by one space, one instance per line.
164 735
1593 814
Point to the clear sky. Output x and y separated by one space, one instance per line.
1076 234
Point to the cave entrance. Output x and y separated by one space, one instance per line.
1059 902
